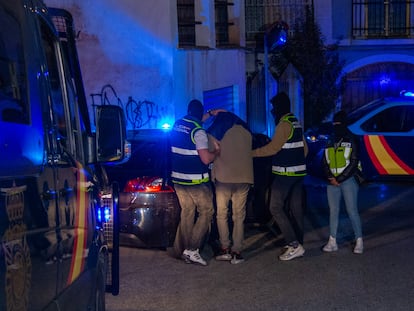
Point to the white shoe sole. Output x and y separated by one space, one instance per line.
188 259
330 250
300 253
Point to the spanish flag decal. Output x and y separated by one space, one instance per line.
79 251
384 158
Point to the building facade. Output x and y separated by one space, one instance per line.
157 55
153 57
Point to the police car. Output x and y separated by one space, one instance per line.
385 129
149 211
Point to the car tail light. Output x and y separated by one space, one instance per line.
147 184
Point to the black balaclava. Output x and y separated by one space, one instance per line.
281 105
195 109
339 124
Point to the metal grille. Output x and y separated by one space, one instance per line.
60 24
186 23
108 227
256 103
382 19
260 13
220 98
222 21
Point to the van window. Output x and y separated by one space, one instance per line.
13 89
58 106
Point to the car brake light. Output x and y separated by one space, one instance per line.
146 184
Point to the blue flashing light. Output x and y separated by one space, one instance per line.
99 215
407 93
166 122
276 36
166 126
107 214
385 80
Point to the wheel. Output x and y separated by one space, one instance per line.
100 304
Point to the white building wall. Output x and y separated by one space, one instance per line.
132 45
204 70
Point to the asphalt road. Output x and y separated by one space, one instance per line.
380 279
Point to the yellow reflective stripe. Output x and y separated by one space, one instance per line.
289 173
197 126
189 176
183 151
193 182
80 238
347 153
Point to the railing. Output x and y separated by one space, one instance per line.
382 19
262 13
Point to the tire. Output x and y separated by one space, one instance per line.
100 304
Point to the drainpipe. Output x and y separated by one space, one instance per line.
266 78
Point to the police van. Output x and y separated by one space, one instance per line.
59 243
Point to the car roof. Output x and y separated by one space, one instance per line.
379 104
146 134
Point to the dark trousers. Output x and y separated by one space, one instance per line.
287 206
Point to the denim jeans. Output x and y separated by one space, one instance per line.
236 193
287 206
348 190
194 227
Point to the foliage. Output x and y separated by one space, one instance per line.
319 66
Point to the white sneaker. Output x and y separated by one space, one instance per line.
225 255
194 256
331 246
359 246
292 252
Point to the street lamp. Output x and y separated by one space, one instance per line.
275 38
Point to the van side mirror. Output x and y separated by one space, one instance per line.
110 133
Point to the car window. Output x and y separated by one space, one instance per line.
408 124
150 157
360 112
394 119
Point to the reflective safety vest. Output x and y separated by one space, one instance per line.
290 160
338 156
187 167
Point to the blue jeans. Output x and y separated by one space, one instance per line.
348 190
193 228
287 206
237 194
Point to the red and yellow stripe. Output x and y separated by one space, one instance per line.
384 158
79 248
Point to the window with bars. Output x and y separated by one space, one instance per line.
382 19
222 21
263 13
186 23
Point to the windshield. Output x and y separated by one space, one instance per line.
150 157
